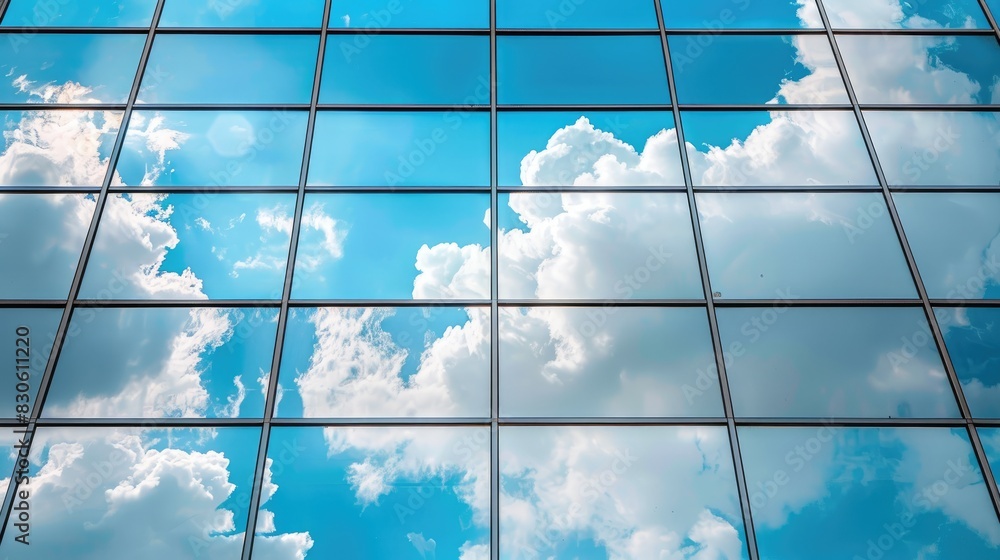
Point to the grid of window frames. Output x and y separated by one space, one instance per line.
470 279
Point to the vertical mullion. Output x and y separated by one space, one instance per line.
88 245
911 263
720 361
494 300
272 385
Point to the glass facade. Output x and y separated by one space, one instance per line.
500 279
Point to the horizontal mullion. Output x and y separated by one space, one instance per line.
911 31
200 303
851 422
33 106
49 190
396 190
208 189
602 302
965 302
32 303
945 189
148 423
802 302
577 189
788 189
222 107
614 421
305 303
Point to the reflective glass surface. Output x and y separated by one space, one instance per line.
589 14
116 493
893 493
440 69
242 13
776 148
69 68
597 246
386 362
373 15
754 69
898 14
607 362
163 362
392 246
32 332
376 493
390 149
937 148
577 69
618 492
834 362
955 240
991 441
922 68
802 245
190 246
973 339
230 69
41 237
722 14
79 13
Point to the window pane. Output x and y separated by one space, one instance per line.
80 13
802 245
559 14
721 14
756 69
933 14
214 148
191 246
937 149
401 149
773 148
597 246
991 441
835 362
955 240
394 246
890 492
973 338
575 69
618 492
239 13
373 15
607 362
230 69
117 493
599 148
31 333
41 237
389 492
442 69
69 68
59 148
164 362
922 68
347 362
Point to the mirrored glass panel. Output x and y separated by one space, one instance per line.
69 68
607 361
972 335
41 237
900 14
242 13
190 246
559 14
802 245
355 362
408 69
955 239
861 362
722 14
164 363
592 148
991 443
893 493
937 148
373 15
618 492
79 13
394 246
31 333
230 69
597 246
401 149
576 69
58 148
922 68
119 493
213 148
776 148
755 69
376 493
